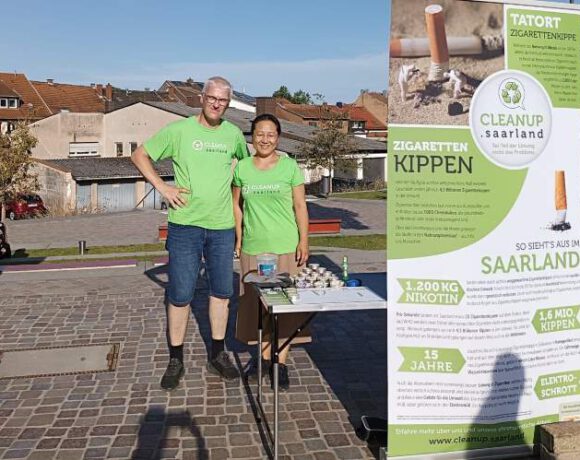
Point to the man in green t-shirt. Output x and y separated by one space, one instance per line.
201 221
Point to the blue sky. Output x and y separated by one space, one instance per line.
333 48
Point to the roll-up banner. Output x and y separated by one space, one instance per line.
483 226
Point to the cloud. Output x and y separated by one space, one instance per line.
336 79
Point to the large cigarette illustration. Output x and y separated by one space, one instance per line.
435 19
561 202
456 46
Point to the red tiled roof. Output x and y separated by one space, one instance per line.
347 111
312 111
75 98
362 114
33 106
6 91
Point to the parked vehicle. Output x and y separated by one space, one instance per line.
5 250
23 206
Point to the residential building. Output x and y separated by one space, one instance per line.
107 183
350 118
19 101
76 186
363 123
64 97
188 92
117 98
375 103
304 114
113 134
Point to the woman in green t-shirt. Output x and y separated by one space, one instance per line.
271 217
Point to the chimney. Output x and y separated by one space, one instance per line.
266 105
99 89
109 92
50 81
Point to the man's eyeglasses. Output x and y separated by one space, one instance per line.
220 100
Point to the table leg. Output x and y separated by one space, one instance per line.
275 365
260 339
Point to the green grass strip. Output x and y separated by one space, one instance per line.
369 195
52 252
364 242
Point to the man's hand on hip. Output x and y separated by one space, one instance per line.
173 195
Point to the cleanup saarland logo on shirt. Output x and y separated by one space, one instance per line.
260 189
210 147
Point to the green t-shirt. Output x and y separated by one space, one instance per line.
202 163
269 223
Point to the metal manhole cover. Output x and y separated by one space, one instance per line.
41 362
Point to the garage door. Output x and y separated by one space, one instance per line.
83 197
115 197
374 169
154 198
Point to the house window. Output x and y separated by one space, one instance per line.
83 149
13 103
357 126
3 102
133 146
119 149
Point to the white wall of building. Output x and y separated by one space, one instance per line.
67 132
56 133
242 106
135 123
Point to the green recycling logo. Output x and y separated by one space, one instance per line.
511 93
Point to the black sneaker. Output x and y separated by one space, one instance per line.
283 380
252 372
222 365
172 375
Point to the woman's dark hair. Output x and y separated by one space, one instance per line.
266 117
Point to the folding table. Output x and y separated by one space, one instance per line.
277 302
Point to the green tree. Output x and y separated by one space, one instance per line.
330 147
298 97
16 174
282 92
301 97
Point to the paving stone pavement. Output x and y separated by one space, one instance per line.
141 226
125 415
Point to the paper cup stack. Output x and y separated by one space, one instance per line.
315 276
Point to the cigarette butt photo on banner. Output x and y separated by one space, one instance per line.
435 19
440 52
560 223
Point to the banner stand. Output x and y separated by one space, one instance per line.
483 225
502 453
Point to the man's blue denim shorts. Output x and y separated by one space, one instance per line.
187 245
